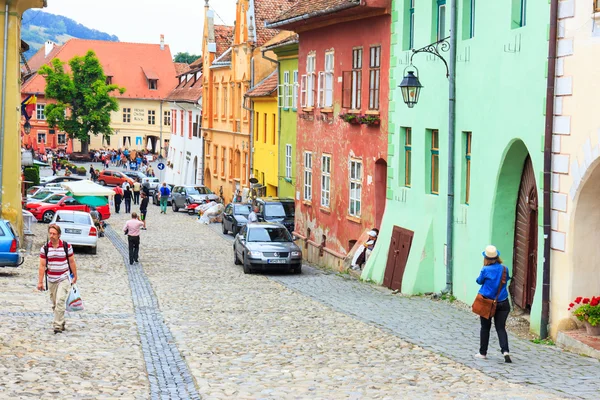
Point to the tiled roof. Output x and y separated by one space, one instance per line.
295 38
196 63
267 10
181 68
126 61
39 58
265 87
188 91
312 6
223 38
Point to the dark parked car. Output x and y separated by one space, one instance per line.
135 175
235 217
156 196
273 209
266 246
59 179
9 246
183 196
80 157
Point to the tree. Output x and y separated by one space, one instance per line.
186 58
85 93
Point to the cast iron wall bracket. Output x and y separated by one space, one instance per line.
436 48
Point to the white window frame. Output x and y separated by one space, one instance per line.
45 137
288 161
357 64
310 81
326 180
374 76
40 112
303 94
355 173
151 117
287 93
308 176
58 138
328 79
295 90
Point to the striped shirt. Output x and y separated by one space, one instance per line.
58 267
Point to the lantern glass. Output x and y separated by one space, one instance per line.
411 89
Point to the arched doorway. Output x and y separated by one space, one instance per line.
525 247
380 190
207 178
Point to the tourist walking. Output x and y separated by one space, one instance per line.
165 192
127 195
132 230
144 208
56 264
118 198
137 186
493 280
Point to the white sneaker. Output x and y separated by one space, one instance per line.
480 356
507 357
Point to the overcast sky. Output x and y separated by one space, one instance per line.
143 21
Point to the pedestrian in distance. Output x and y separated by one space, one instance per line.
165 192
253 217
57 264
132 230
127 195
92 173
136 191
118 198
54 167
494 279
144 208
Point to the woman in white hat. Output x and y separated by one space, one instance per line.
490 280
362 254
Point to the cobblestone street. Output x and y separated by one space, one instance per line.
188 323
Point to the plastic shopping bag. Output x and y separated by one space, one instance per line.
74 302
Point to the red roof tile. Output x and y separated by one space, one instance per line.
189 91
182 68
267 10
313 6
126 62
223 38
196 63
265 87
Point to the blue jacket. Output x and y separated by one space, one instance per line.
164 191
489 279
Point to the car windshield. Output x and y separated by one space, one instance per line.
198 190
55 199
242 210
41 195
32 190
269 235
74 218
274 210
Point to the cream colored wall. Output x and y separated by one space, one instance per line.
576 144
138 127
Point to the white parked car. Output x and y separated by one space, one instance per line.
153 183
77 228
31 192
43 195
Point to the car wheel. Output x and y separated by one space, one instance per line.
247 269
225 231
47 217
298 270
236 260
102 183
174 207
94 250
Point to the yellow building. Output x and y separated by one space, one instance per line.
234 63
266 139
10 197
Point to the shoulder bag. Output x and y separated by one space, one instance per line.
485 307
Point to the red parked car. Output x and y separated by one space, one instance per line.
44 212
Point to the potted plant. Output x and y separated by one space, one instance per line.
350 118
81 171
371 120
588 311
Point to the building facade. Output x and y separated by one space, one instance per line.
10 188
498 151
185 162
341 147
147 73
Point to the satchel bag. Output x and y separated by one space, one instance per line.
485 307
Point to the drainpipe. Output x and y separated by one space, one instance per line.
278 117
451 150
161 117
3 122
251 109
548 166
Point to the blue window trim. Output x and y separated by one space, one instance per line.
411 23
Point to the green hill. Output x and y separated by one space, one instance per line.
39 26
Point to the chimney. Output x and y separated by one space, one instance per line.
162 42
48 47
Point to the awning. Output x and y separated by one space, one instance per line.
87 188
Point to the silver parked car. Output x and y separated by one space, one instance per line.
183 196
266 246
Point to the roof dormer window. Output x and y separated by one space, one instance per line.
153 84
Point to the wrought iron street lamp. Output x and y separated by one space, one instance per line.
411 88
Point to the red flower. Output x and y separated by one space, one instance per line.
585 301
578 300
571 306
595 301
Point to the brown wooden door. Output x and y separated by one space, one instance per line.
397 257
525 246
380 190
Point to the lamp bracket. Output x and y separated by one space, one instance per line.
436 48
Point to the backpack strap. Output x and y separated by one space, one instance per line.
66 248
46 271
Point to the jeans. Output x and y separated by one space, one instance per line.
127 206
118 200
59 291
134 248
136 197
502 311
163 204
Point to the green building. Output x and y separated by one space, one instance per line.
501 67
288 92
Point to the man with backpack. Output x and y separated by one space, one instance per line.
165 192
57 262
